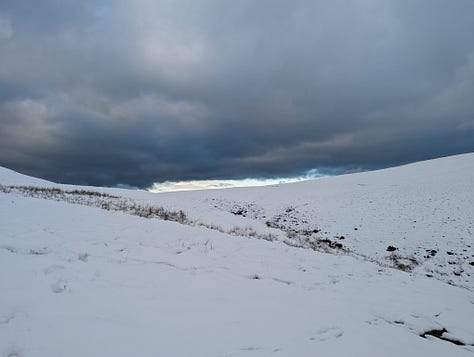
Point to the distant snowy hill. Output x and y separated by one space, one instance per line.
378 263
10 177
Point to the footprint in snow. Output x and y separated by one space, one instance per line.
38 251
328 333
59 286
251 348
13 352
83 257
9 248
6 318
374 321
52 268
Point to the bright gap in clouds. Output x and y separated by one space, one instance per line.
170 186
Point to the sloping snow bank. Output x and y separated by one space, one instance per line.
80 281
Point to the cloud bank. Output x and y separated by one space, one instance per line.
137 92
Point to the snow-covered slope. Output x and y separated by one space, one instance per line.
10 177
82 273
425 210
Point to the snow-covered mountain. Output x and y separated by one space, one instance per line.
378 263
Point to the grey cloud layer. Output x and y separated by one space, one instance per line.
108 92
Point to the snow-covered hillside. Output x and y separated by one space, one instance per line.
290 270
425 210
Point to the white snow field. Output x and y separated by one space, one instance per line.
289 270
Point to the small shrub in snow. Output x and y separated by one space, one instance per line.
99 200
402 263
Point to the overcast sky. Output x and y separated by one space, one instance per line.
137 92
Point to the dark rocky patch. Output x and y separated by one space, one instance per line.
440 334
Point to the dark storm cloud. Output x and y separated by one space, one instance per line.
109 92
